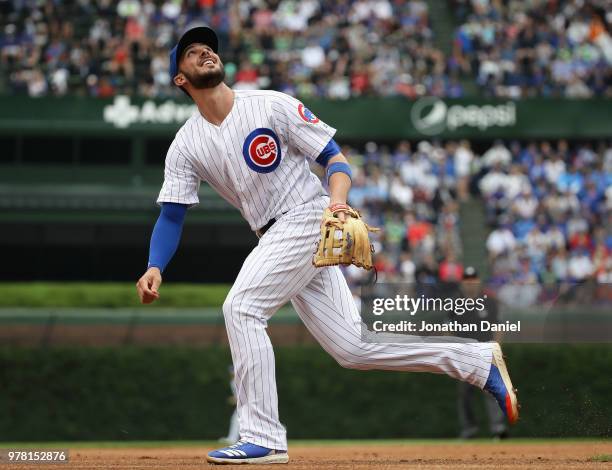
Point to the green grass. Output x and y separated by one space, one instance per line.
107 295
601 458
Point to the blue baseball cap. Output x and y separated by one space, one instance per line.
201 34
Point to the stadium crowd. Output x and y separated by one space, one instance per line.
549 206
310 48
414 194
536 48
306 48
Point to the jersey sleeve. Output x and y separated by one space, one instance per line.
181 182
303 131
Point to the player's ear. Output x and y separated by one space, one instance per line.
180 80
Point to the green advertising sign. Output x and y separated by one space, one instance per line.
363 118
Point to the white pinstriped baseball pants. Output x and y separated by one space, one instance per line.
280 269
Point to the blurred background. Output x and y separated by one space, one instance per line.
480 134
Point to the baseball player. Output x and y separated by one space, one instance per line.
253 148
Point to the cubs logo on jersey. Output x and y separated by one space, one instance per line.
307 115
261 150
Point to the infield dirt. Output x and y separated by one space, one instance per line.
503 455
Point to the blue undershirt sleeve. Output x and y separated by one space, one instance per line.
331 150
166 234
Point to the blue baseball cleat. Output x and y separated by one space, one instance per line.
246 453
500 386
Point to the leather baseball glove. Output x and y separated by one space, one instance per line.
344 243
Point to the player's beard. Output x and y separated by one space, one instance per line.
208 79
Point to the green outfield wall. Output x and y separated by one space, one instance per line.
361 118
181 393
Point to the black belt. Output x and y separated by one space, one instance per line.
265 228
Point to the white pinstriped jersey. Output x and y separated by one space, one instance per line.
256 158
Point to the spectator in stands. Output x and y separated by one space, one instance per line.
407 268
464 158
450 270
580 267
501 240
